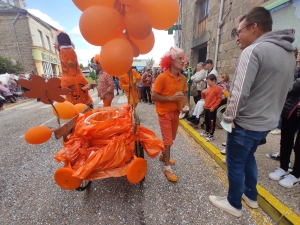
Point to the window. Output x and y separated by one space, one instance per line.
49 45
203 10
41 39
202 13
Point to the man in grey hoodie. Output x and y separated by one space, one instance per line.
262 79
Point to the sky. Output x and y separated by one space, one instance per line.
64 15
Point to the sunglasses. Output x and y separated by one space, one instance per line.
237 32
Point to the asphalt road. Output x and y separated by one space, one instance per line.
29 194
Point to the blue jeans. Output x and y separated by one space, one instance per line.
241 145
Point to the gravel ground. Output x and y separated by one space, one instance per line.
290 197
29 194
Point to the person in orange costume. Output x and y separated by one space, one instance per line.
72 77
125 85
169 94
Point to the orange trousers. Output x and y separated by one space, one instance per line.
168 125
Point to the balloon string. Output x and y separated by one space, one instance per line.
58 117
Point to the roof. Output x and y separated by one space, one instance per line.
7 8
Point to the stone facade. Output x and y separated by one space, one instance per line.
194 44
15 40
27 39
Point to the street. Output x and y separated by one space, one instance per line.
29 194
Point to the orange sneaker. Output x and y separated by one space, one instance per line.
171 175
161 158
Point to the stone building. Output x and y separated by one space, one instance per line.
27 39
200 38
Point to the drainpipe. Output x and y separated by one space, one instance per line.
220 24
20 56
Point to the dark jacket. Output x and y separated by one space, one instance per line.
292 100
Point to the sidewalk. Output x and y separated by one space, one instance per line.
19 101
277 201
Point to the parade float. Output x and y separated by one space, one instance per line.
102 142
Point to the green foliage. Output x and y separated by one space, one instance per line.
7 66
81 66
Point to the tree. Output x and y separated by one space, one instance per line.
7 66
81 66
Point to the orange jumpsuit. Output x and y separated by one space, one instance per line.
125 85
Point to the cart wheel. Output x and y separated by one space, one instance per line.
137 170
84 185
63 178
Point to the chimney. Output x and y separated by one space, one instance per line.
17 3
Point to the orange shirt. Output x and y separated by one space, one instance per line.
166 84
213 97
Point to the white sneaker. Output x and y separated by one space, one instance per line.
223 151
210 138
275 131
278 174
204 134
224 160
222 203
249 202
289 181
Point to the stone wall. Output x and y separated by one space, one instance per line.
8 40
228 52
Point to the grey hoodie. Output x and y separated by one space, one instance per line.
263 76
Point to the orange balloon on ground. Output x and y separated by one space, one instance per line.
38 135
66 110
138 24
63 177
99 24
80 107
146 45
163 14
116 57
84 4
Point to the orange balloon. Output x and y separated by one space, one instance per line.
138 24
146 45
84 4
38 135
99 24
163 14
116 56
135 49
66 110
128 2
80 107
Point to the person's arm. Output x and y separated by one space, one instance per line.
246 71
200 76
157 97
218 100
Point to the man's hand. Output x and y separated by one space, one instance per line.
211 109
102 96
179 96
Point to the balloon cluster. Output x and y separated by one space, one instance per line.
124 28
41 134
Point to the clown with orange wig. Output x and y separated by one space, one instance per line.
169 94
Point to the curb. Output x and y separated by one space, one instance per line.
17 103
278 211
